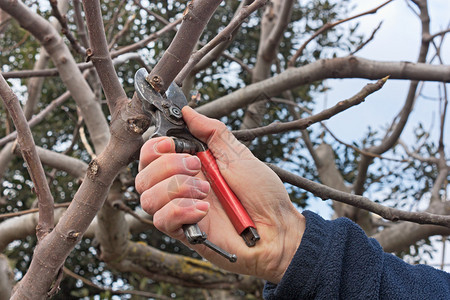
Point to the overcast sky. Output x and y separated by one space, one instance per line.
397 40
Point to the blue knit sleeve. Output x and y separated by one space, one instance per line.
336 260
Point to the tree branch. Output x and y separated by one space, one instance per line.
390 140
328 26
37 118
221 37
402 235
29 153
126 130
81 29
301 124
114 292
64 61
388 213
195 18
65 28
344 67
99 54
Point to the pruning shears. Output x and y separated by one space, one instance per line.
165 112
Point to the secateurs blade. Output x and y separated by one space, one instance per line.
165 111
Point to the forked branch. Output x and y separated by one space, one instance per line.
328 26
225 34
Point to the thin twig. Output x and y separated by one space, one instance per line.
86 144
250 134
372 36
118 12
42 73
65 28
324 192
79 21
440 33
30 211
152 13
29 153
121 206
55 288
148 39
38 118
115 292
6 51
224 35
124 30
328 26
362 151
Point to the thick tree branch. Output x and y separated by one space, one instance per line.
195 18
99 54
345 67
64 61
271 43
221 37
29 153
401 236
126 130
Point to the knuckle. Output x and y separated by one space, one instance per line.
158 221
148 203
140 183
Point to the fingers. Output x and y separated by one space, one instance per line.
166 166
178 212
220 140
179 186
153 149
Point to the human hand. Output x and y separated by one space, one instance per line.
175 192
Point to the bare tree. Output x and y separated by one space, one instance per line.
81 170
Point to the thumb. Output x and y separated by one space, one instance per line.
214 133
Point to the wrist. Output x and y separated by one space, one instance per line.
289 242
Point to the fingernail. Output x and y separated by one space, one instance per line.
192 163
201 185
200 205
163 146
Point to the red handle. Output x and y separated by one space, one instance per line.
230 203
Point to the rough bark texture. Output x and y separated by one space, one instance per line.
107 178
6 278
